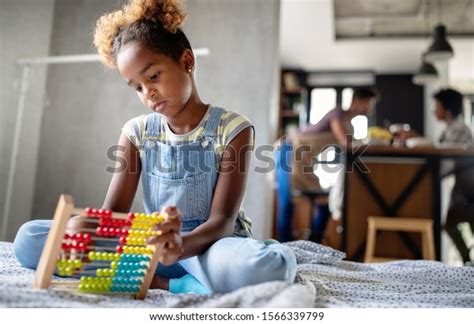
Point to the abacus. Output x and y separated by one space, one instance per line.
109 255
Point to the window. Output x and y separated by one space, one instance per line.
360 124
326 171
322 101
325 99
346 98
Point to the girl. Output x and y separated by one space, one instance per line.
192 158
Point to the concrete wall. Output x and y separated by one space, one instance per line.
88 105
242 74
25 31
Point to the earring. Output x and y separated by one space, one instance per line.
190 70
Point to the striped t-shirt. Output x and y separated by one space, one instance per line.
230 125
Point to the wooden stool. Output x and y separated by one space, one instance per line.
423 226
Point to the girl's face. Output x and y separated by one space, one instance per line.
162 84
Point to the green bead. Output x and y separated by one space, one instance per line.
92 256
77 263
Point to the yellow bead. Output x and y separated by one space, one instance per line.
77 263
116 257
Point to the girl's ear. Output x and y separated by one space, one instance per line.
187 61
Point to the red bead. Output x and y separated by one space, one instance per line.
108 213
81 246
93 212
105 231
117 232
128 224
119 248
100 211
131 216
78 236
102 222
86 238
99 231
64 246
124 232
66 236
123 240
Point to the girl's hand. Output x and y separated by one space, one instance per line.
169 241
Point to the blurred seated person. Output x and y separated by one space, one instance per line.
448 107
338 121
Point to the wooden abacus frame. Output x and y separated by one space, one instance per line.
52 248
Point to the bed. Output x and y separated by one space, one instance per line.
324 279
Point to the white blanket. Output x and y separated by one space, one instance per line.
323 280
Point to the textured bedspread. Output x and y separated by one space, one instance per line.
323 280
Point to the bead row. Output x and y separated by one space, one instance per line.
117 223
120 272
142 233
67 271
70 245
103 256
95 212
132 240
116 280
133 249
130 265
69 263
111 231
79 237
98 288
141 217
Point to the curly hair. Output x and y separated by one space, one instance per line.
155 23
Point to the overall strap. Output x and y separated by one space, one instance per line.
153 125
210 130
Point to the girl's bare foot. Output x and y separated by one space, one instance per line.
160 283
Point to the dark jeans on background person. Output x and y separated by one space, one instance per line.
283 156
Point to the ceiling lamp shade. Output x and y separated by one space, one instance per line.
440 49
426 73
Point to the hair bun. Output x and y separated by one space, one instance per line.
169 12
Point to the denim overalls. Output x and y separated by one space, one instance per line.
185 176
181 175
